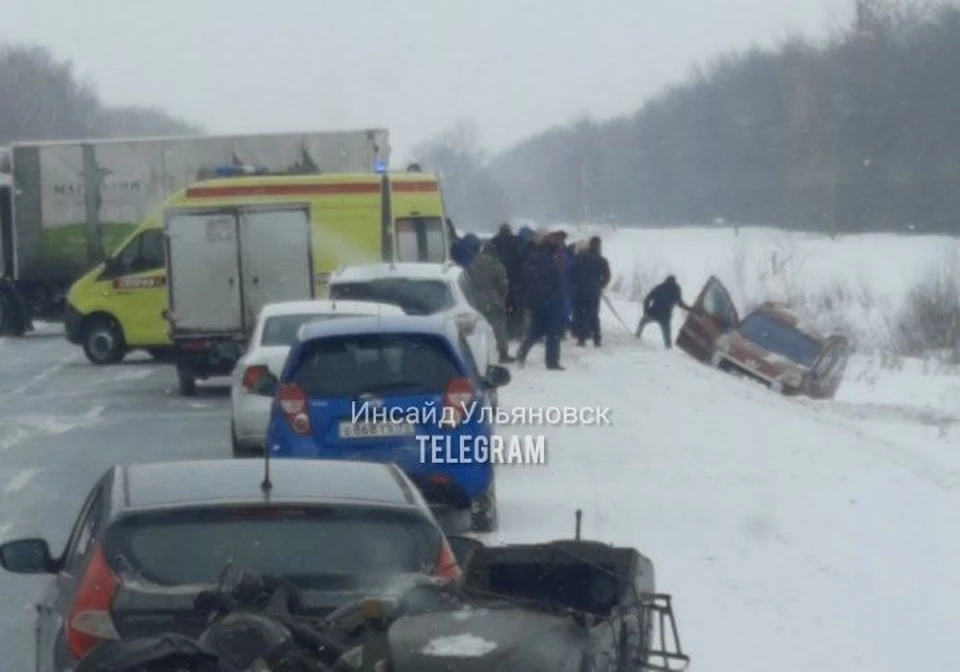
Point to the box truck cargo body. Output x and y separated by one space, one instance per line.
64 206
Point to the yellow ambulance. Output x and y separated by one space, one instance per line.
122 304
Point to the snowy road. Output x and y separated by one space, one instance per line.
62 423
794 535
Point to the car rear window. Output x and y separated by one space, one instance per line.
282 329
774 336
415 297
349 366
308 545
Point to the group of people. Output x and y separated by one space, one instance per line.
533 286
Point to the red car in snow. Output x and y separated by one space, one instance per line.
771 345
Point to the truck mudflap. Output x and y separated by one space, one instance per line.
203 357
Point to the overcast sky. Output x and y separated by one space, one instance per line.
515 67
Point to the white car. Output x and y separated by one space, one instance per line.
251 393
422 289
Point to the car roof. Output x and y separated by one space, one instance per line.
324 306
159 485
409 270
437 325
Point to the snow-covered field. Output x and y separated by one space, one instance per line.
858 284
794 535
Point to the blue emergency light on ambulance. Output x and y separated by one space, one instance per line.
235 171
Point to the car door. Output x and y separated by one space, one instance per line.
712 314
827 372
275 259
138 287
55 604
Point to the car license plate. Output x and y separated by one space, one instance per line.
375 430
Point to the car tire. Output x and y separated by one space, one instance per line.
485 519
240 451
103 341
186 382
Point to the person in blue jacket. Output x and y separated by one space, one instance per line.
544 282
658 307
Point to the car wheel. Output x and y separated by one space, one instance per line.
483 517
239 450
186 382
103 341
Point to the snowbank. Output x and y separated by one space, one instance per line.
794 535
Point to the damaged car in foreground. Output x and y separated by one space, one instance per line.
771 345
562 606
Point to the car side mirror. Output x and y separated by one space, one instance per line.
462 547
497 376
27 556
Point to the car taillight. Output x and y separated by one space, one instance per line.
89 622
253 376
447 567
458 396
293 402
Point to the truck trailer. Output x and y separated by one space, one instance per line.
66 205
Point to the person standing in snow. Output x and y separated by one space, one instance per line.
507 247
589 277
526 243
489 278
658 307
544 301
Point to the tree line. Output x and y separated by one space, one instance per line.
41 98
858 133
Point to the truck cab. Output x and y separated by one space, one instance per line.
167 289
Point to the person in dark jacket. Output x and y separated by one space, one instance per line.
589 277
508 250
658 307
526 243
544 301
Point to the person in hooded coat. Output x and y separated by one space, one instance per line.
544 301
590 276
658 307
465 249
489 279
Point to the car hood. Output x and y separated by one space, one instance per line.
757 358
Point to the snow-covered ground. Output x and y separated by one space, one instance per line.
794 535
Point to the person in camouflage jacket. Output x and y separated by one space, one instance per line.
489 279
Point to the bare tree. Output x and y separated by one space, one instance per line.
472 195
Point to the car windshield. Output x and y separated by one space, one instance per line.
350 366
309 545
774 336
282 329
415 297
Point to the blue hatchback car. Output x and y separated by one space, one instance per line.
400 389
